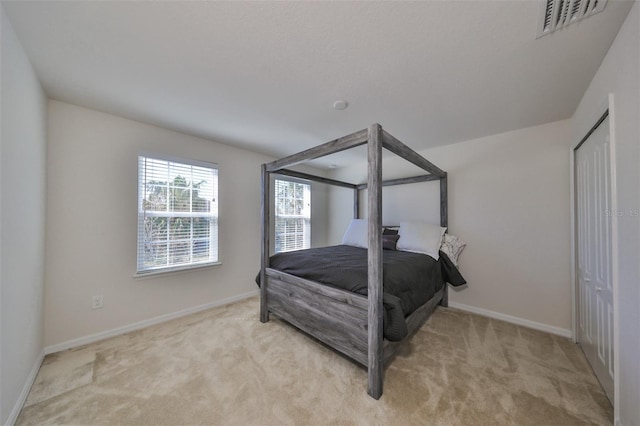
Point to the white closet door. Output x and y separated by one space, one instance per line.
595 284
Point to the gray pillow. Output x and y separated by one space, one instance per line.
389 242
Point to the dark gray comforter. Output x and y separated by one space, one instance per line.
410 279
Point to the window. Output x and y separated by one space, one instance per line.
292 215
177 214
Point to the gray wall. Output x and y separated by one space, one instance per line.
23 152
95 254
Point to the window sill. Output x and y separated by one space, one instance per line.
173 271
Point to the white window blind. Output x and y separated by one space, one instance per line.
292 215
177 214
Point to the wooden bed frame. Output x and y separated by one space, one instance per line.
348 322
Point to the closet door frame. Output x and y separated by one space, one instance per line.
606 109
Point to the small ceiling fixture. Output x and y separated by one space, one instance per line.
340 105
556 14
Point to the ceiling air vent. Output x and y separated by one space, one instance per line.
556 14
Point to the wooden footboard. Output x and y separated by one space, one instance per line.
333 316
336 317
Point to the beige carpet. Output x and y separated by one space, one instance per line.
223 367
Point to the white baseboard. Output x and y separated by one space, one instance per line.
15 412
74 343
514 320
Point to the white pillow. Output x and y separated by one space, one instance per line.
452 246
357 234
420 237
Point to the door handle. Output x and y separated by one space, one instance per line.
598 289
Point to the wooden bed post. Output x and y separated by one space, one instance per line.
444 222
375 337
264 257
356 203
444 208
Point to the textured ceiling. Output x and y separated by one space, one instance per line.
264 75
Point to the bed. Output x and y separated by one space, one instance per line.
410 279
349 322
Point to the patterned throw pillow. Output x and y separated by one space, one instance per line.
452 246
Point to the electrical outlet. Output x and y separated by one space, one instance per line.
97 302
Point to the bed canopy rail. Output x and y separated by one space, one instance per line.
332 147
293 173
376 139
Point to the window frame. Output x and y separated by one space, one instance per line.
214 216
275 213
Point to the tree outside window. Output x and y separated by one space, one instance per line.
178 214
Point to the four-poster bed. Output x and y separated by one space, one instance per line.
348 322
